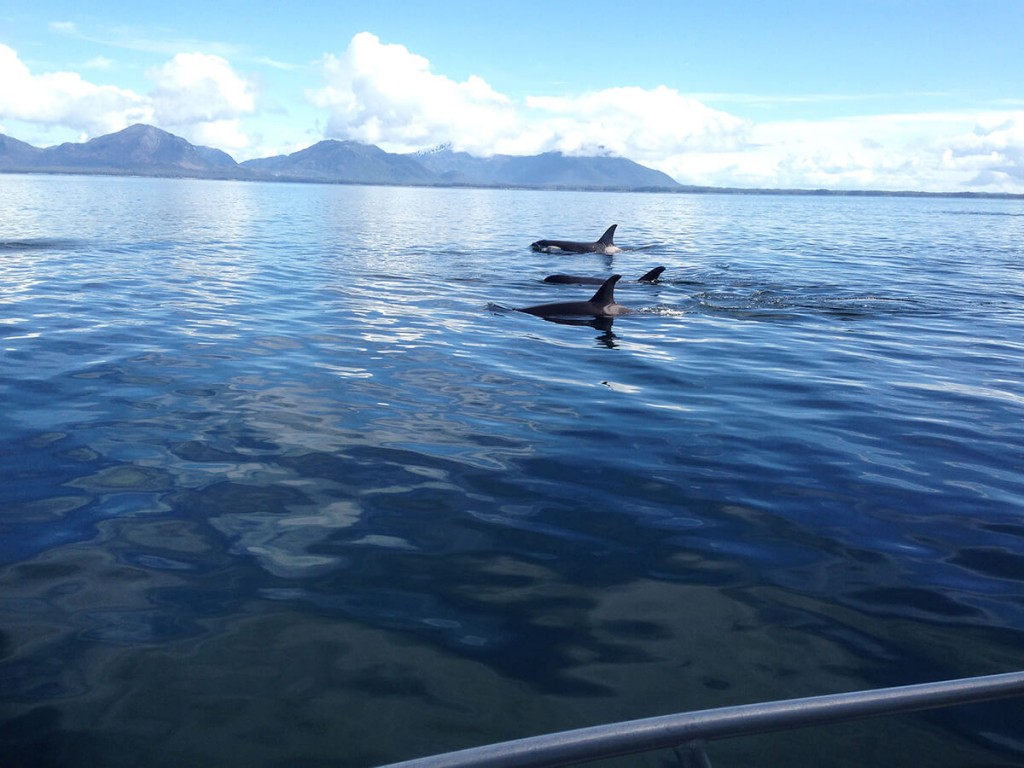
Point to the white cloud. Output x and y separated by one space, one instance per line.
135 38
386 95
643 124
63 27
925 151
64 98
383 94
202 98
99 62
196 95
199 88
227 135
993 151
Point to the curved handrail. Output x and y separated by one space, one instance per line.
632 736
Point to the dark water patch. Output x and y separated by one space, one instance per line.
201 451
982 213
382 680
157 562
40 244
40 677
37 739
920 602
44 511
1007 529
237 498
124 478
991 561
135 628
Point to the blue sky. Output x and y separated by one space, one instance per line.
847 94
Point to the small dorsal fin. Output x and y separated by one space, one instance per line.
651 276
609 234
606 293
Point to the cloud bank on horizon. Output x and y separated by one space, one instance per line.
384 94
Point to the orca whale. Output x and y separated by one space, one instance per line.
650 277
601 304
604 245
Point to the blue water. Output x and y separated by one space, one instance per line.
287 482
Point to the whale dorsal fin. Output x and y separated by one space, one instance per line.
651 276
606 293
609 234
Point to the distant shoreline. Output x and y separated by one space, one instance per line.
683 189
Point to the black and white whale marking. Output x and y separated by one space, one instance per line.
604 245
650 277
601 304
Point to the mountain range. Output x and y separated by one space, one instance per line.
148 151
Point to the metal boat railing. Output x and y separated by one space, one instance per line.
688 732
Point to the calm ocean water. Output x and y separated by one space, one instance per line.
285 482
